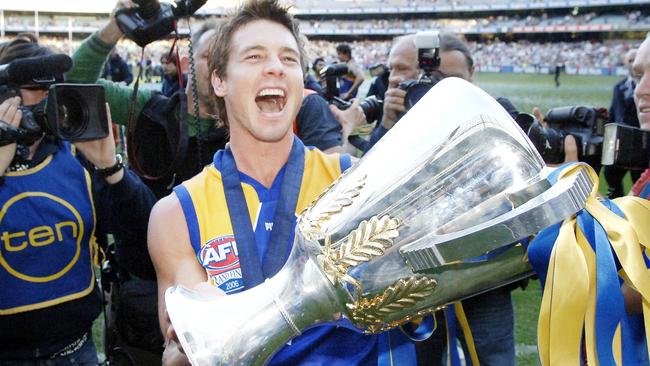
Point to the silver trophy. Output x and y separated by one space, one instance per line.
434 213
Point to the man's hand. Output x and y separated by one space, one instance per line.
101 153
393 106
174 355
10 114
350 118
570 143
111 33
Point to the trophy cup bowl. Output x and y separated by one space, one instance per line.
439 210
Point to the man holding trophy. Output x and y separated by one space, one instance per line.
238 215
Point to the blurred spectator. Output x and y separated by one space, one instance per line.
116 69
170 80
349 83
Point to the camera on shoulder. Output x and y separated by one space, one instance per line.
74 112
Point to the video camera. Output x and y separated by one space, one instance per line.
428 45
72 112
585 124
151 20
626 146
372 106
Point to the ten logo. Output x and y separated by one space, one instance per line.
59 240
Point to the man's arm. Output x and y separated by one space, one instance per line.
359 77
88 63
171 252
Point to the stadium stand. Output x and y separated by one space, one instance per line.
588 36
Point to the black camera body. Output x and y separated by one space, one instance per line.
330 74
428 45
74 112
371 106
626 147
585 124
151 20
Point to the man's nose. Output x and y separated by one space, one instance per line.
394 80
274 66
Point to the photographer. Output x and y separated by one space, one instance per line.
490 315
641 75
622 110
158 120
56 204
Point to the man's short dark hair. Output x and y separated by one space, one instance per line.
344 49
450 42
250 11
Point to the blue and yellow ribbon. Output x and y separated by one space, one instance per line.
582 264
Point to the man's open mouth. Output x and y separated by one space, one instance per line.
271 100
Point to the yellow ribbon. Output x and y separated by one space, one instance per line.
467 332
569 297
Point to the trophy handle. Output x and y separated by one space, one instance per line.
563 199
225 330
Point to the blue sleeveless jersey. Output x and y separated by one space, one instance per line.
204 205
47 243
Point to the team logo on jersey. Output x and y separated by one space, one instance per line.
220 259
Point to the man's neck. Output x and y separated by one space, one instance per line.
261 160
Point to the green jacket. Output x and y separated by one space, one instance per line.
89 61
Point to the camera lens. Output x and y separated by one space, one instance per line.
372 108
72 115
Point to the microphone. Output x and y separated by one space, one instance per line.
25 70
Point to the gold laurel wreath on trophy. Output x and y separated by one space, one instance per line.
369 240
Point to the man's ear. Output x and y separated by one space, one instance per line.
219 85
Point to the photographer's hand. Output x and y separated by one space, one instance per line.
111 33
9 113
101 153
349 119
393 106
570 144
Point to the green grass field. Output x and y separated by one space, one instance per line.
526 92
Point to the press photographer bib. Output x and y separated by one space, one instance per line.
60 236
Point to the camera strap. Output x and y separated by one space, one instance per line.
132 143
